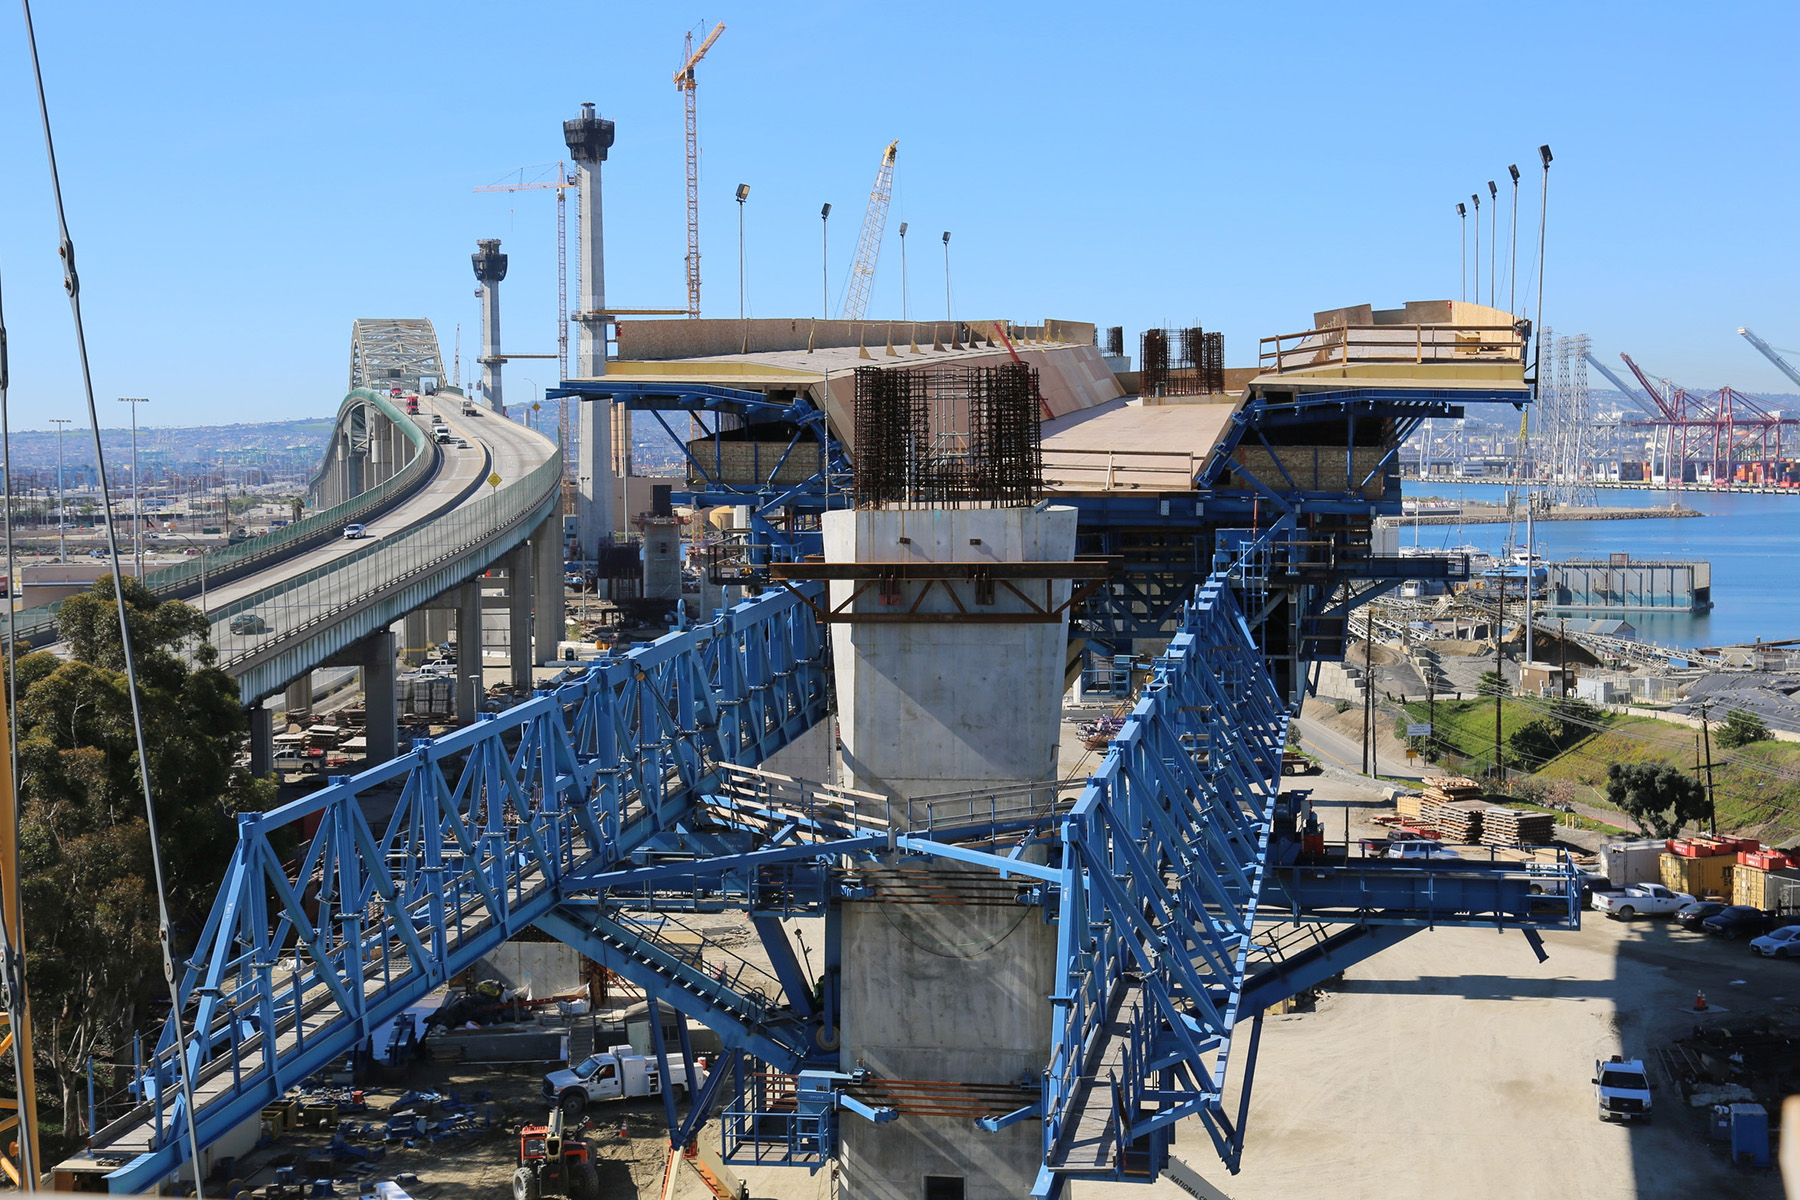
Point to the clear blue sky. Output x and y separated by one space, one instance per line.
244 180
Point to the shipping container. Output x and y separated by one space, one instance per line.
1632 862
1776 891
1699 877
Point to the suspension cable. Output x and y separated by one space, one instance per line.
12 956
72 284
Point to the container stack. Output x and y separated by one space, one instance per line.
1516 827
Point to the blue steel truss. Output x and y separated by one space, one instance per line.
299 966
774 507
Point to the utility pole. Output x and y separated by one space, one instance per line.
137 492
1368 691
1500 673
1712 811
1562 654
1374 750
62 516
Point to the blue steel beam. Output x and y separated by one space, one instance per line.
491 821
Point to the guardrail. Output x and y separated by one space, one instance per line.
253 624
1343 345
230 562
1075 470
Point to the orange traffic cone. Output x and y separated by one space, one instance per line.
1699 1001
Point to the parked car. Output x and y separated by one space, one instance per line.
1689 916
249 623
1428 850
1738 921
1778 943
354 531
1641 900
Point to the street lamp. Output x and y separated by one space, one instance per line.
62 519
1512 249
1476 197
947 315
743 194
1462 218
137 494
825 261
903 313
1493 237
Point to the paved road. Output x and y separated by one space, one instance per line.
1336 750
496 446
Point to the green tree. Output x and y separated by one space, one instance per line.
1740 729
94 964
1493 683
1535 744
1661 799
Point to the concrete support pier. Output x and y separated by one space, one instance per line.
380 697
262 739
415 640
299 699
946 993
518 613
548 622
469 685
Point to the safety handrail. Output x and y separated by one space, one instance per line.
217 565
298 603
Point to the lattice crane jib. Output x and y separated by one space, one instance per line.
684 79
868 243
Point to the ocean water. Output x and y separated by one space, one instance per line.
1753 543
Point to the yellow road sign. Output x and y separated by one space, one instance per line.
494 479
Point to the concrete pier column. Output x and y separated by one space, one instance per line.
379 696
548 622
978 707
299 698
469 687
415 637
262 739
437 626
518 614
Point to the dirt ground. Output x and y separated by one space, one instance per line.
1456 1065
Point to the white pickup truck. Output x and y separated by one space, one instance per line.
615 1074
1640 899
1623 1089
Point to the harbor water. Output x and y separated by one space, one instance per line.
1753 543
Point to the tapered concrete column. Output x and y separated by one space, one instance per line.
415 637
299 698
547 594
518 610
262 739
468 652
379 698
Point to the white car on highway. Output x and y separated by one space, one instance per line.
352 532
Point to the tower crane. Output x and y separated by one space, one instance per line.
563 184
868 245
1769 352
684 79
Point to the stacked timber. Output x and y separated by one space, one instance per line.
1457 820
1451 787
1409 805
1516 827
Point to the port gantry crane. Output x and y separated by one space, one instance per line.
1769 352
684 79
868 245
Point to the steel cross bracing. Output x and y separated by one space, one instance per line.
783 515
297 968
393 352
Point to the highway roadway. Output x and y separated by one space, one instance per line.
496 446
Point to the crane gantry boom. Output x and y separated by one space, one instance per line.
868 245
684 79
1769 352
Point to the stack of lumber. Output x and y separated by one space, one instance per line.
1450 787
1457 820
1409 805
1516 827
